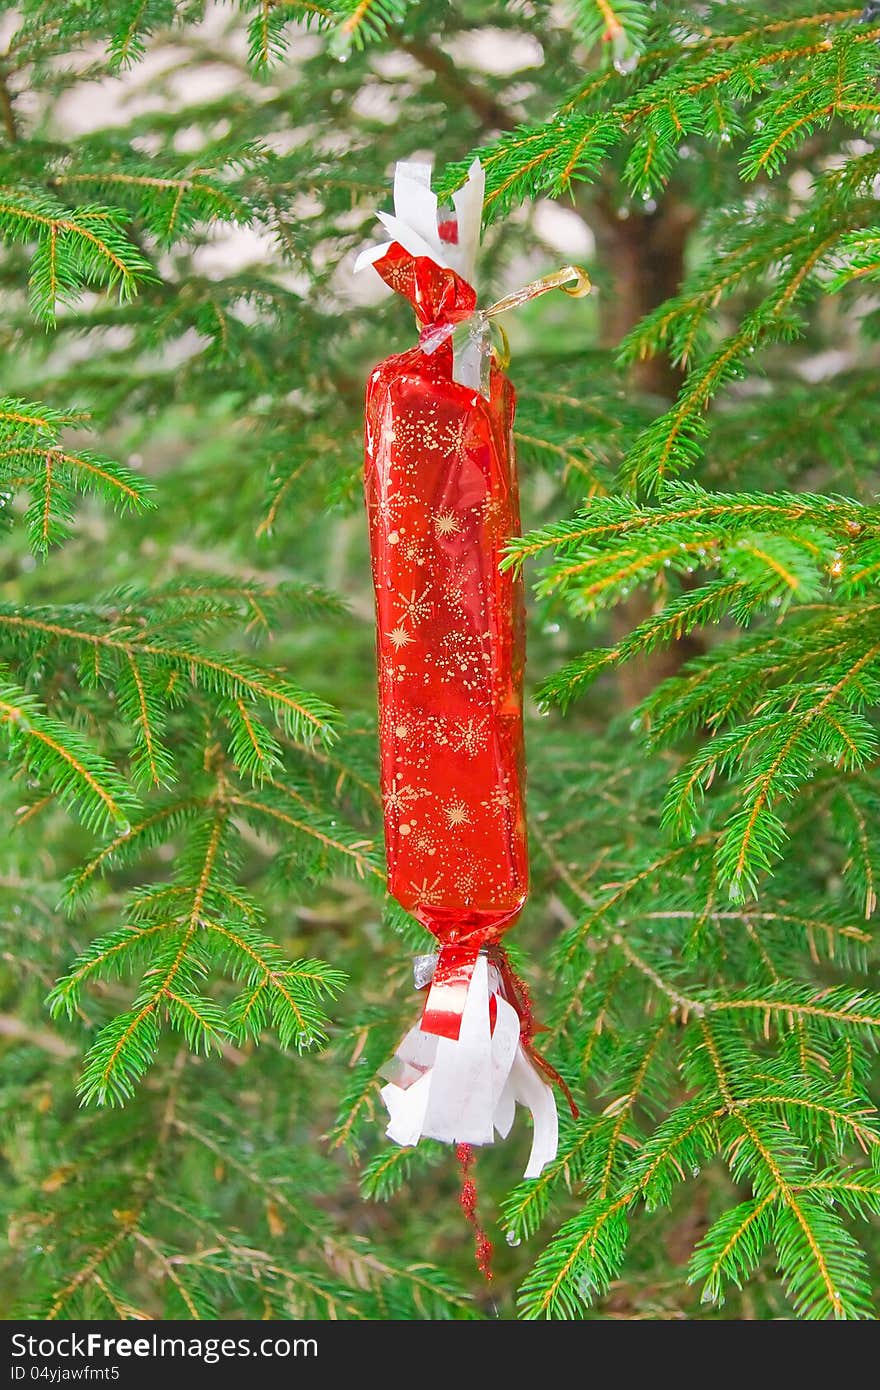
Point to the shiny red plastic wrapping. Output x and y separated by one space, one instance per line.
442 500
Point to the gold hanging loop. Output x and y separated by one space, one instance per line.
559 280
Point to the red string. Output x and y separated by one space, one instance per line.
517 993
468 1202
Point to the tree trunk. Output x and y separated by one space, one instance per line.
644 252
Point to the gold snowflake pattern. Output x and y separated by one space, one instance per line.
457 814
428 891
386 505
466 884
460 658
470 736
446 524
438 730
417 606
399 637
387 671
460 438
397 799
412 434
399 278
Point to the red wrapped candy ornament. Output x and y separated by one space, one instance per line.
442 500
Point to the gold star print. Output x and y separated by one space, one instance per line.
398 798
460 438
385 505
428 892
416 606
446 524
399 637
456 814
470 736
399 278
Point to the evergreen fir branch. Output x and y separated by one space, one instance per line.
835 86
622 1111
853 811
227 679
572 460
432 1292
753 836
124 1049
813 1247
74 249
856 1193
123 950
718 1046
58 755
839 1007
133 23
680 617
280 488
31 457
89 1271
587 1251
348 847
819 1254
707 42
385 1174
18 414
201 1021
621 26
360 22
267 31
574 942
364 1049
322 1297
252 748
859 256
527 1206
170 204
152 762
546 159
684 505
132 840
292 992
731 1249
200 601
674 442
744 259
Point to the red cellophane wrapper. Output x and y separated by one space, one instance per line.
442 500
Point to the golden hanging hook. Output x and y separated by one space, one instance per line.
582 285
559 280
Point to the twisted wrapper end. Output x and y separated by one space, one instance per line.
418 229
460 1073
